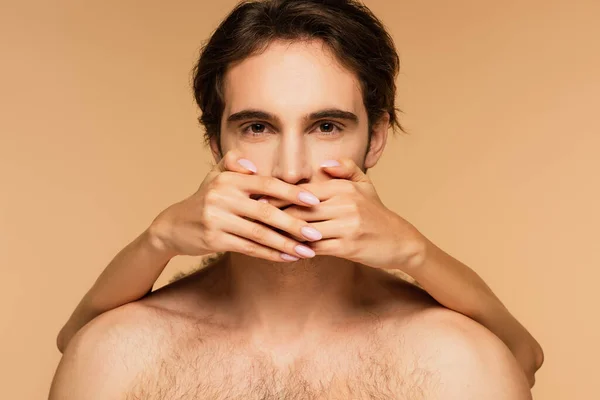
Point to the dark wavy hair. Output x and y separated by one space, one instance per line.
356 37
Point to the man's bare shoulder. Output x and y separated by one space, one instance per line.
104 357
464 359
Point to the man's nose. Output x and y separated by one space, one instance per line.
291 162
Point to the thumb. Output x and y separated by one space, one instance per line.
347 169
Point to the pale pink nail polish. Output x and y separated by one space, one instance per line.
311 233
330 163
247 164
305 251
287 257
308 198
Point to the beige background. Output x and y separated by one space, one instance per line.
99 134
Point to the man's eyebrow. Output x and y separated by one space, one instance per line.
335 113
251 114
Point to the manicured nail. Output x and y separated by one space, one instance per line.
304 251
287 257
308 198
330 163
247 164
311 233
263 200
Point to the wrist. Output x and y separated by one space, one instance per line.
151 241
416 264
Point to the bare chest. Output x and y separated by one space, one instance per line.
352 369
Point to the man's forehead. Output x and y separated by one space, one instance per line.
291 79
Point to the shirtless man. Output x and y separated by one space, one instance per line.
292 86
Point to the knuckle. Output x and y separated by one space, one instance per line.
208 221
289 246
209 238
355 227
257 233
211 197
250 248
206 213
298 224
221 180
230 157
217 180
349 187
266 211
292 223
273 255
267 183
348 208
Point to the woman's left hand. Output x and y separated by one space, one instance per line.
355 224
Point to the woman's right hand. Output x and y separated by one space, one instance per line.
221 216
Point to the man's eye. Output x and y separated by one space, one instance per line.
329 128
257 128
254 129
326 127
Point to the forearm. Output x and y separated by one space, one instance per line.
458 287
128 277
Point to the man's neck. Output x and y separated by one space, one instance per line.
287 299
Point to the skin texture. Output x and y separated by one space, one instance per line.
323 327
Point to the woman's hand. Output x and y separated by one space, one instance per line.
223 216
355 224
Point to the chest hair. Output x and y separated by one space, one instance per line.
361 369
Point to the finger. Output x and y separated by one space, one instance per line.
324 191
279 203
327 210
328 247
234 162
238 244
276 188
272 217
268 237
347 169
334 228
327 189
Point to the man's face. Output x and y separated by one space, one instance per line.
292 107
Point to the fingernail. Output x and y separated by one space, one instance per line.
263 200
311 233
304 251
308 198
330 163
247 164
287 257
